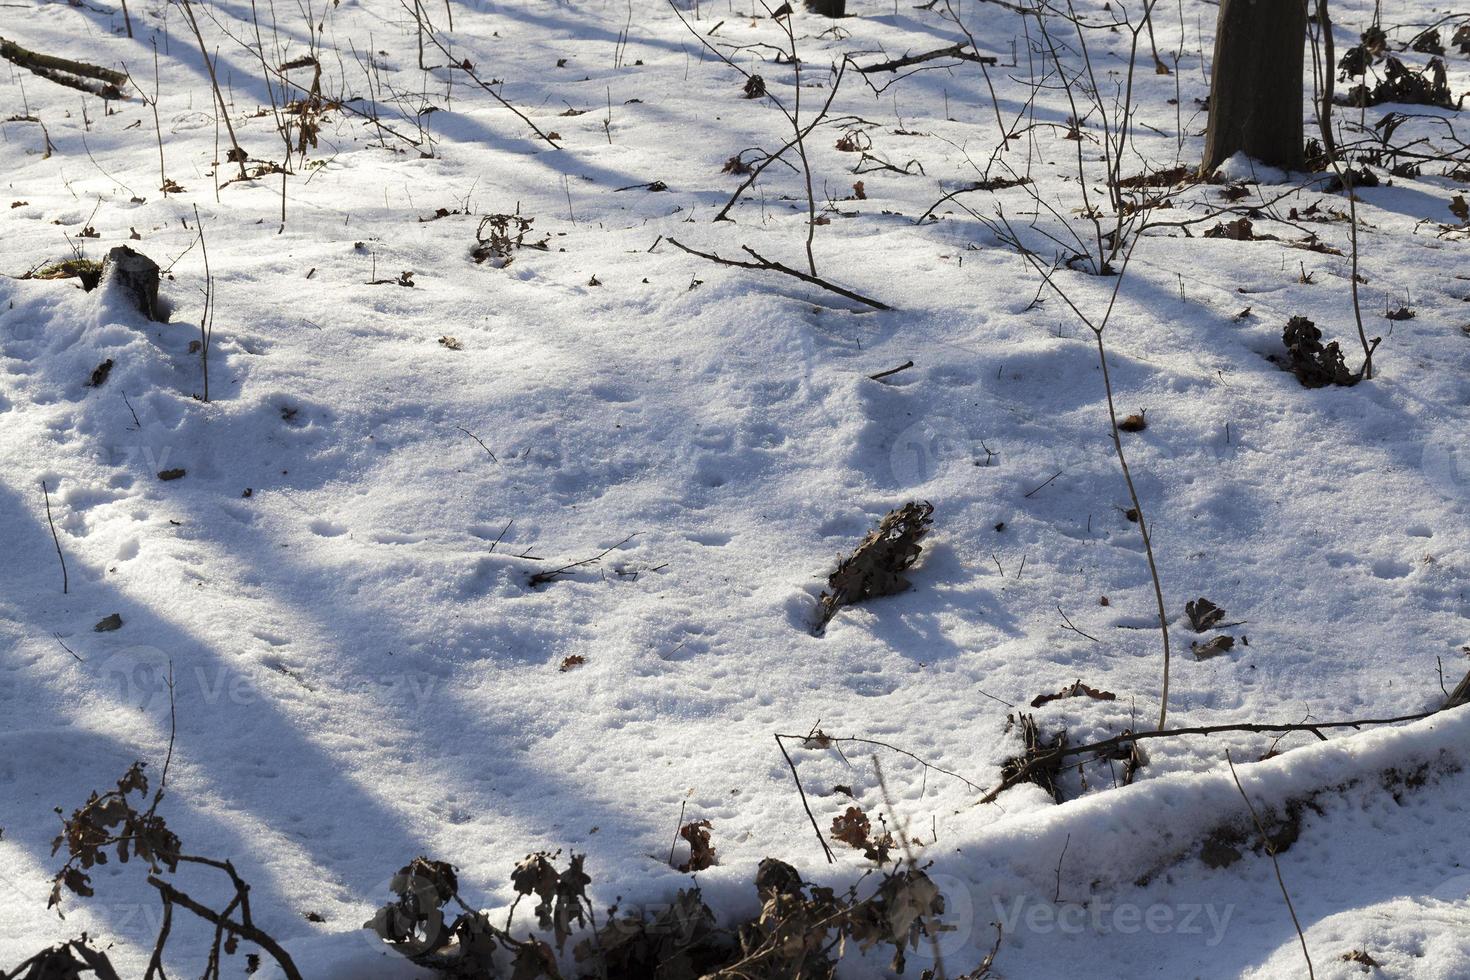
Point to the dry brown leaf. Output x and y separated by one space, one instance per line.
701 850
1073 690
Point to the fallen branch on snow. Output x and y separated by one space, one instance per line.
1128 738
98 81
953 51
766 265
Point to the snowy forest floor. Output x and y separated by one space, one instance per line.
399 437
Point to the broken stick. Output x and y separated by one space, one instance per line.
99 81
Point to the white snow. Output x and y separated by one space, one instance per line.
362 671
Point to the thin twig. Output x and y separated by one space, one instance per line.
206 328
480 441
464 65
766 265
499 537
908 855
891 371
238 155
1033 490
677 827
827 850
541 578
1057 895
1271 853
244 930
823 739
57 637
55 540
1067 624
953 51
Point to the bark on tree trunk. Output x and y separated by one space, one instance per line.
1256 89
828 8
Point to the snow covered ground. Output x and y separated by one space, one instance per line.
363 671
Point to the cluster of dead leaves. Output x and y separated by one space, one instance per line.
415 924
1399 84
562 894
1315 365
801 930
737 165
801 925
1169 177
876 566
1243 230
681 942
853 828
108 822
1204 616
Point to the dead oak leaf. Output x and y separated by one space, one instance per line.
1073 690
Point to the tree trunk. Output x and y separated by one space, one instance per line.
828 8
1256 89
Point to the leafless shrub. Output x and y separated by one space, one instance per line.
499 236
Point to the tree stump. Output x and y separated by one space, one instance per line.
135 276
1256 89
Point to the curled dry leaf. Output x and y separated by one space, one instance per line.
701 850
1220 644
1203 614
736 165
1239 230
1074 690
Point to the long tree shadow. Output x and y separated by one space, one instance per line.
314 717
247 781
